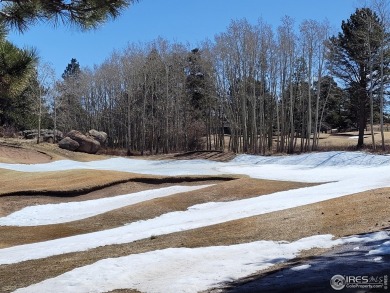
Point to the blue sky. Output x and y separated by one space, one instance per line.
185 21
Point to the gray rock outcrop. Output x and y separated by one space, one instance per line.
68 144
100 136
89 143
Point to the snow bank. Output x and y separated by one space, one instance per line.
321 159
185 269
165 167
314 166
72 211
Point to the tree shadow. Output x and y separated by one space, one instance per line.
345 260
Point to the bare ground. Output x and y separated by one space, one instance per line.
15 154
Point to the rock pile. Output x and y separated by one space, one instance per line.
87 143
47 135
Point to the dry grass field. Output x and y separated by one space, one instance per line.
348 140
341 141
353 214
61 183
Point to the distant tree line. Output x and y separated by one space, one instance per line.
252 89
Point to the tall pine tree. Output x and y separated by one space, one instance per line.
17 67
354 57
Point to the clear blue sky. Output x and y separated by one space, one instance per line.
185 21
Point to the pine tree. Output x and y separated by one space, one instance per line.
72 70
70 110
16 68
353 55
85 14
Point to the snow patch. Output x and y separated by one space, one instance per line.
178 269
186 269
301 267
66 212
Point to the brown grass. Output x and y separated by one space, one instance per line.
224 191
76 182
346 140
353 214
14 154
60 182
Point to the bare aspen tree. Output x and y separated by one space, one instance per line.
323 30
273 85
308 32
381 7
287 44
314 36
132 64
281 110
46 83
369 37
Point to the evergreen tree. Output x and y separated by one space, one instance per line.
70 110
354 60
72 70
201 106
82 13
16 69
195 80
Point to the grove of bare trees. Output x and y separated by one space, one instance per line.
253 89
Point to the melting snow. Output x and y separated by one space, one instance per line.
72 211
301 267
185 269
181 269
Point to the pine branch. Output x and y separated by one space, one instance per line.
85 14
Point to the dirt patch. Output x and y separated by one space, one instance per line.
18 155
29 152
353 214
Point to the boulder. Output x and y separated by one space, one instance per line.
100 136
68 144
87 144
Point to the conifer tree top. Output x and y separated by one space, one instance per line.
85 14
